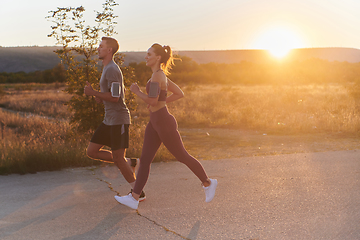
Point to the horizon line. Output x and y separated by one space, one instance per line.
191 50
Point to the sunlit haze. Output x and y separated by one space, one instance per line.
276 25
278 40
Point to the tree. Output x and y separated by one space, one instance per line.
58 73
78 53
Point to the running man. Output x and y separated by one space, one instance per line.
114 130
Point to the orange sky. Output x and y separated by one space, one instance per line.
200 24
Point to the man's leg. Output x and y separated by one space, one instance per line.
117 157
95 151
123 165
98 141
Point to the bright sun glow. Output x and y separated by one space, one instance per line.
278 41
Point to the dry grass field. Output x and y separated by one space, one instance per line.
273 109
41 102
215 121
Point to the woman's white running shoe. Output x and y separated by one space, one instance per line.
128 201
210 190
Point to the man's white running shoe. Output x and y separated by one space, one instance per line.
128 201
210 190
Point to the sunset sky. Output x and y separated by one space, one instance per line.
199 24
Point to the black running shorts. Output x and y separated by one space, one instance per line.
114 136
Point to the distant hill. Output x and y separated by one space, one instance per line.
351 55
29 59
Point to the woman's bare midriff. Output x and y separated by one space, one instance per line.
158 106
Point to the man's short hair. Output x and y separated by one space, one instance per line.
112 43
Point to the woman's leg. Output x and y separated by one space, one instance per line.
171 138
163 128
151 144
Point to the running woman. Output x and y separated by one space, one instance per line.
162 127
114 130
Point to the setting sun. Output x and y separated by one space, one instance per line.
278 41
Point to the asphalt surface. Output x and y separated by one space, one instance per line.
295 196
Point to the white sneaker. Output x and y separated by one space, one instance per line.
210 190
128 201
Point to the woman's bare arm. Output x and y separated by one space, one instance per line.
177 93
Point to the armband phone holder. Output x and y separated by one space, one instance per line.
115 89
154 89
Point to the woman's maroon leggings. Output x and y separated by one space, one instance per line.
162 128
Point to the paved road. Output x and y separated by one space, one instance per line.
297 196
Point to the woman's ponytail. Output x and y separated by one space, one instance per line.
167 60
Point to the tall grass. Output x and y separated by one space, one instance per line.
31 86
35 144
42 102
31 144
276 109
